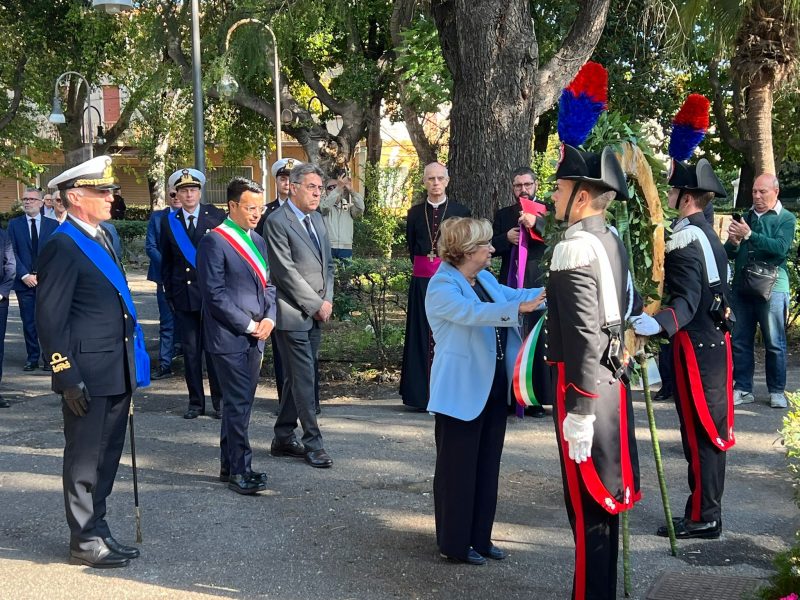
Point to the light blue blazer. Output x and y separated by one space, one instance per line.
466 345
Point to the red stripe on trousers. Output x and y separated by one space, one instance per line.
574 492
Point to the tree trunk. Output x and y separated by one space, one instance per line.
759 126
744 197
157 173
486 45
374 142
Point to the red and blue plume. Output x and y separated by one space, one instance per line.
582 102
689 127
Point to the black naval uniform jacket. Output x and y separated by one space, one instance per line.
177 273
84 326
585 382
505 219
270 208
702 347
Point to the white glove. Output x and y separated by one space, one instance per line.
578 431
644 324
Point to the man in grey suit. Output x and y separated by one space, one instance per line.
299 254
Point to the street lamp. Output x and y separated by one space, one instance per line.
112 7
57 115
228 86
101 134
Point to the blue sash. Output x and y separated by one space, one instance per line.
182 238
101 259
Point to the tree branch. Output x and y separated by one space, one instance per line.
718 107
324 96
576 49
16 82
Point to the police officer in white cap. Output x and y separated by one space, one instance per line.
181 232
87 326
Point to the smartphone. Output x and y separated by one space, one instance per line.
737 217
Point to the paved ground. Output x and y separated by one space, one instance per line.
362 530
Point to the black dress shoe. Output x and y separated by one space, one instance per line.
536 411
686 529
317 411
215 414
242 485
101 557
294 449
46 367
121 549
662 395
494 553
162 373
261 478
318 459
30 366
4 403
472 558
192 413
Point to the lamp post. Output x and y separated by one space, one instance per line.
112 7
57 115
101 139
229 86
197 93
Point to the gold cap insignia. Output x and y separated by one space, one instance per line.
289 164
186 177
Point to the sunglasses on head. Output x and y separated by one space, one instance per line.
173 194
331 187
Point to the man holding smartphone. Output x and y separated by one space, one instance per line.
764 234
339 207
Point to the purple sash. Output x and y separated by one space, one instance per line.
425 267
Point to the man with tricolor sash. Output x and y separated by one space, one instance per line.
238 316
181 233
89 331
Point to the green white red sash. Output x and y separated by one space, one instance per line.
523 368
240 240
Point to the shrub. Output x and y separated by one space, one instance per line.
787 564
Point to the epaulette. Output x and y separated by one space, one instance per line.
681 239
572 254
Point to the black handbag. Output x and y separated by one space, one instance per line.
757 279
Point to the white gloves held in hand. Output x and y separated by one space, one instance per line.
644 324
578 431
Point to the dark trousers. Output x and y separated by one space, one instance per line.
706 469
299 350
191 330
596 535
238 392
93 446
27 312
467 472
277 365
666 369
166 329
3 323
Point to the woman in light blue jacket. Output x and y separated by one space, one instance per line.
475 324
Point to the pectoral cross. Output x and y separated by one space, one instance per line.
431 256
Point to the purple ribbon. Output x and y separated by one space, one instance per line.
516 277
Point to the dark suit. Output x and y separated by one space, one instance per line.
277 364
166 318
81 318
183 294
304 280
19 230
233 296
7 275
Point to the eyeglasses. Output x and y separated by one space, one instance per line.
253 210
526 185
31 199
311 187
331 187
173 194
484 244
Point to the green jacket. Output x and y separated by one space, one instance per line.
770 242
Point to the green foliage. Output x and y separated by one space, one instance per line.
377 288
787 564
381 230
130 230
7 216
429 83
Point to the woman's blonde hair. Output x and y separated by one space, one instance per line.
461 235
